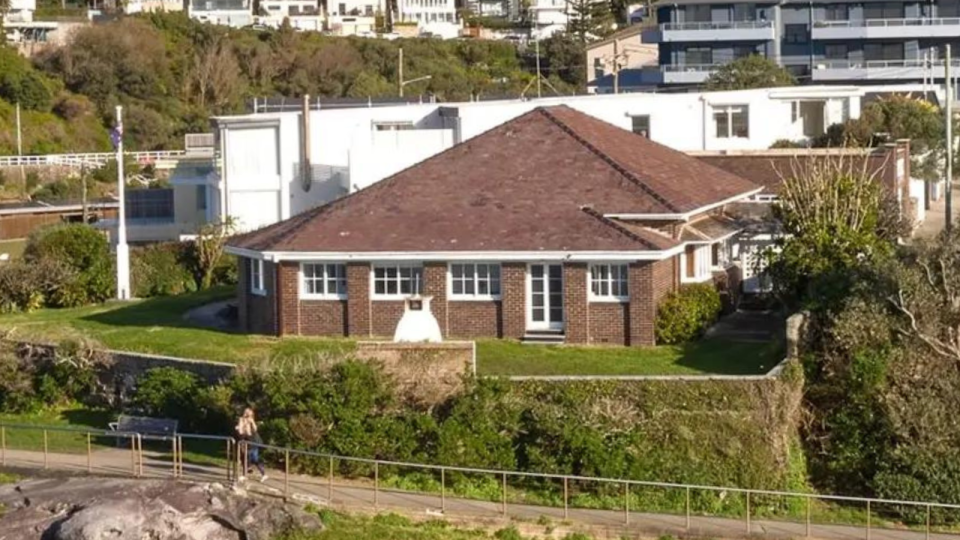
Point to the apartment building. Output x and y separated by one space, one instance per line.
300 14
234 13
433 17
823 41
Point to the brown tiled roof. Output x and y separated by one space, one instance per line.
536 183
768 168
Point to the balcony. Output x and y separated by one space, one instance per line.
887 28
687 73
846 70
717 31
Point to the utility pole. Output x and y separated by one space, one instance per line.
83 193
123 251
539 92
949 109
23 175
400 72
616 66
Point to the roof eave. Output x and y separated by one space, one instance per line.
506 256
685 216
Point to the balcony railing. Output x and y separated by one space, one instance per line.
885 23
729 25
675 68
882 64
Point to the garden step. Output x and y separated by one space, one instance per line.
543 337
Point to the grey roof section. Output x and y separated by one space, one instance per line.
784 2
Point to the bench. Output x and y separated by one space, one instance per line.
145 425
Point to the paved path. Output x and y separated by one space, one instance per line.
935 217
348 495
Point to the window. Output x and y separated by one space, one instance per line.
699 56
835 51
396 280
695 263
609 282
742 51
697 13
319 280
392 126
201 197
744 12
598 71
837 12
256 277
883 51
795 33
641 124
474 281
732 121
343 9
883 10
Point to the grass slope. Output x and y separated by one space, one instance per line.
157 326
395 527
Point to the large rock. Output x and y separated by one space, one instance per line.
117 509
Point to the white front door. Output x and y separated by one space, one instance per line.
545 297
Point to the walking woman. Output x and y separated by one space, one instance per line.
247 432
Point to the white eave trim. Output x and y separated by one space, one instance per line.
499 256
686 215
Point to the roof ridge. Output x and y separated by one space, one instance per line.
606 158
617 227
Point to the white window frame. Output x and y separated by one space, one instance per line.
417 287
702 269
475 296
324 280
257 283
593 297
729 111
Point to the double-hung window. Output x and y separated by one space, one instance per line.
256 277
608 282
732 121
393 281
323 281
474 281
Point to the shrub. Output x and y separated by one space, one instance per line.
34 377
686 314
26 286
82 249
156 270
168 393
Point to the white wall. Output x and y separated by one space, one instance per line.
261 153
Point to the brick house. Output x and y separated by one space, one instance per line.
553 224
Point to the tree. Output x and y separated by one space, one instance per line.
207 250
837 218
752 71
589 19
563 54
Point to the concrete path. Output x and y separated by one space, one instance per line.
935 217
348 495
746 325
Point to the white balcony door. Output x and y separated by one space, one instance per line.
545 297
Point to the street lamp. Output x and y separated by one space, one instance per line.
400 82
418 79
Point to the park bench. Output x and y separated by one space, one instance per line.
145 425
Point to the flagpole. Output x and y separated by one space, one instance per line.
123 251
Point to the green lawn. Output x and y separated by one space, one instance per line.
157 326
709 356
13 247
339 526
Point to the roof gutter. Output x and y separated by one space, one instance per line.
686 215
506 256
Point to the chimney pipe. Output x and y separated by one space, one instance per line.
305 167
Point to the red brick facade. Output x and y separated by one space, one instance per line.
585 321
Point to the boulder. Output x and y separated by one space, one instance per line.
120 509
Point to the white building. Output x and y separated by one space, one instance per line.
149 6
365 8
235 13
261 180
434 17
21 11
300 14
549 17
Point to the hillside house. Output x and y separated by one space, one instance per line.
552 224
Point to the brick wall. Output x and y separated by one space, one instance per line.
358 300
609 322
473 319
385 316
257 313
575 307
649 283
514 297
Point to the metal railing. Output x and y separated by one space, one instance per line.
674 68
918 63
724 25
90 159
914 21
372 484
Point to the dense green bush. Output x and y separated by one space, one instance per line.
169 393
33 378
685 314
157 270
82 249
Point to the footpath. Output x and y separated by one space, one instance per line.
348 496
